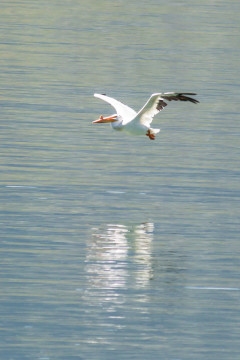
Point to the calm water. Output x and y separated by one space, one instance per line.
115 247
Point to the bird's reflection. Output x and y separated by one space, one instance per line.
117 256
143 236
106 258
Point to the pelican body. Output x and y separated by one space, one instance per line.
128 120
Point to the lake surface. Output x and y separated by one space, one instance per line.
117 247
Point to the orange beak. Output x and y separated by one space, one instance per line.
106 119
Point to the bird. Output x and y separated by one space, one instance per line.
138 123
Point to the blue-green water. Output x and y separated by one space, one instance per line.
115 246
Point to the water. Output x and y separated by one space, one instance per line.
115 246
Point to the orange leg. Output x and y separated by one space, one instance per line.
151 136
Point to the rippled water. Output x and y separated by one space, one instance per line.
115 246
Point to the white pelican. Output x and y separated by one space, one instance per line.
135 123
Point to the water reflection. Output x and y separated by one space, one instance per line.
117 256
107 256
142 256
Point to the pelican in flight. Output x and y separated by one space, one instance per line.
134 123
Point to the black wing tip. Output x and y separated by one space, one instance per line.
183 97
180 96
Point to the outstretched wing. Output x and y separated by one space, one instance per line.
157 102
124 112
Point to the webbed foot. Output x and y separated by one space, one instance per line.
150 135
